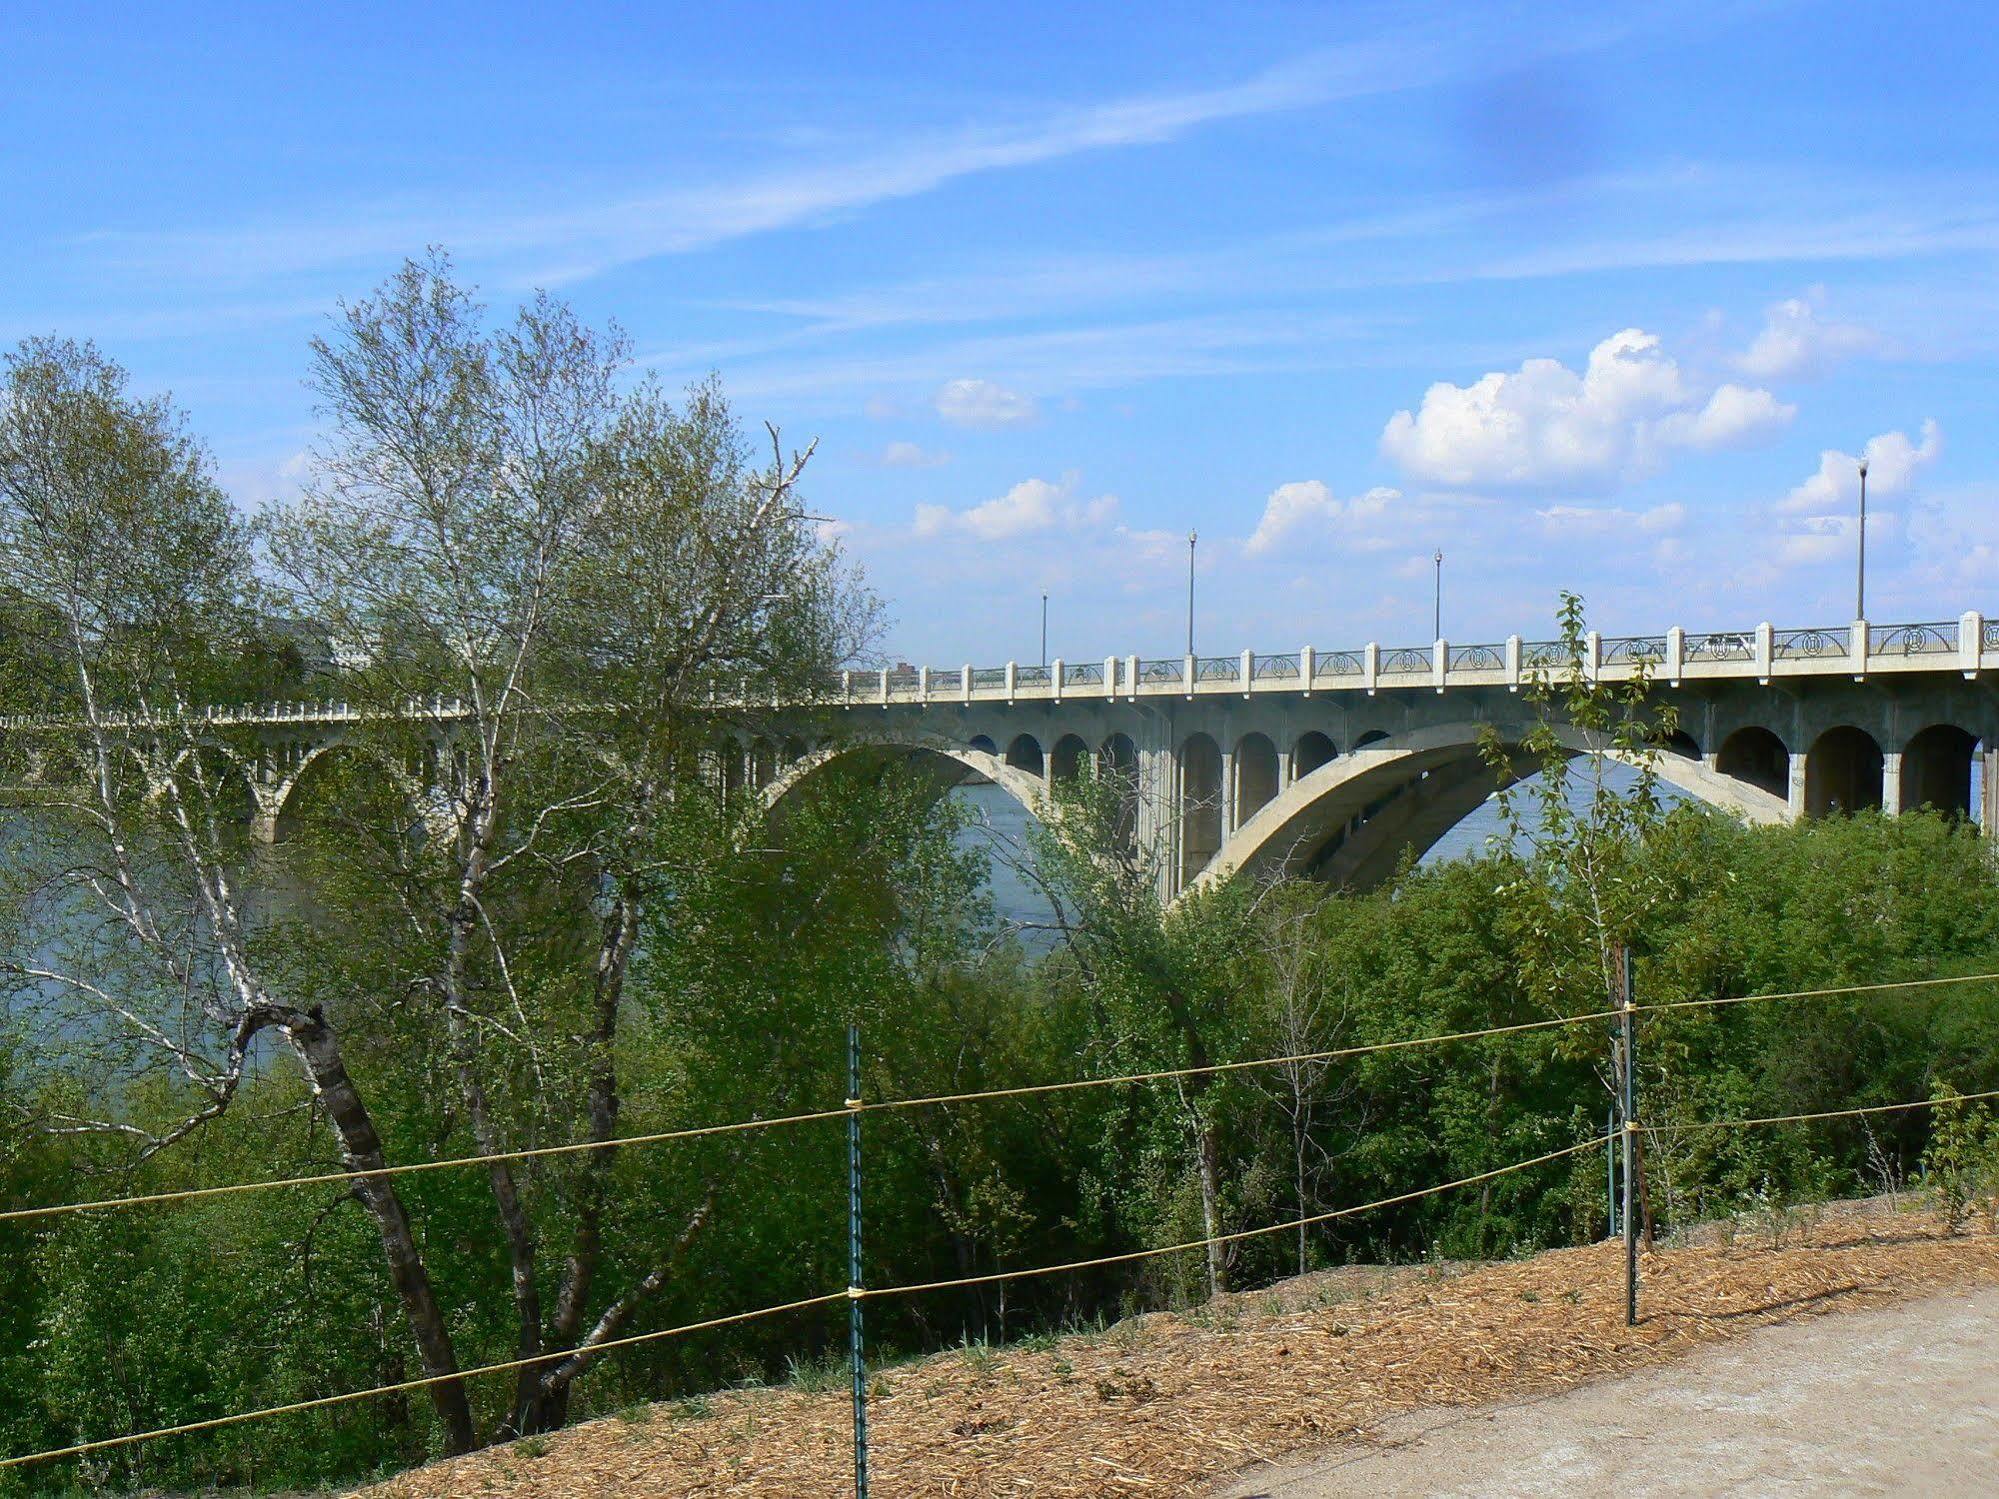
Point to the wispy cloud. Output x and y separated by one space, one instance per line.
590 237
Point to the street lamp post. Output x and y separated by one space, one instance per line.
1437 598
1044 628
1860 592
1192 538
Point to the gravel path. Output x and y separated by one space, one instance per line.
1894 1400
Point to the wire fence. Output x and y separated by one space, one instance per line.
938 1100
856 1107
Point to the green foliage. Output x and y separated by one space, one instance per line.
1958 1167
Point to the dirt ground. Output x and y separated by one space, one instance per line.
1170 1404
1896 1400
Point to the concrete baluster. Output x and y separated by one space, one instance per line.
1308 669
1513 663
1055 679
1370 666
1189 674
1970 643
1857 645
1440 662
1248 672
1012 675
1766 650
1676 654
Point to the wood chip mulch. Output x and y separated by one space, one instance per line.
1158 1404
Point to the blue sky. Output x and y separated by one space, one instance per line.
1588 297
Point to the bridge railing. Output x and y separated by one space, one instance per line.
1793 645
1722 645
1969 644
1631 650
1913 640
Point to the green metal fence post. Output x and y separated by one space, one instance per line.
855 1354
1628 1026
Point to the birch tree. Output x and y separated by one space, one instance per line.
552 598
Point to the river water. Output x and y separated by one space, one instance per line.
999 828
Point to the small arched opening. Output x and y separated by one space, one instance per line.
1757 756
1681 743
1936 770
1255 775
1372 736
1200 805
1117 763
1311 751
983 744
1067 757
1842 772
733 764
1024 754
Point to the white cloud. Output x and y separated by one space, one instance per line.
1546 425
1892 464
545 243
1818 519
1308 503
981 403
1031 506
1734 416
1796 343
910 455
1574 521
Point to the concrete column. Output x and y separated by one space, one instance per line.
1676 654
923 683
1055 679
1970 643
1248 672
1370 666
1229 797
1797 786
1012 671
1440 663
1308 668
965 681
1188 670
1988 789
1513 663
1891 782
1593 654
1110 677
1766 649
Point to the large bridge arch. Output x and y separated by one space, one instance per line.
1408 790
946 762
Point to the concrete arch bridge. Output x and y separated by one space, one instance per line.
1334 764
1328 763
